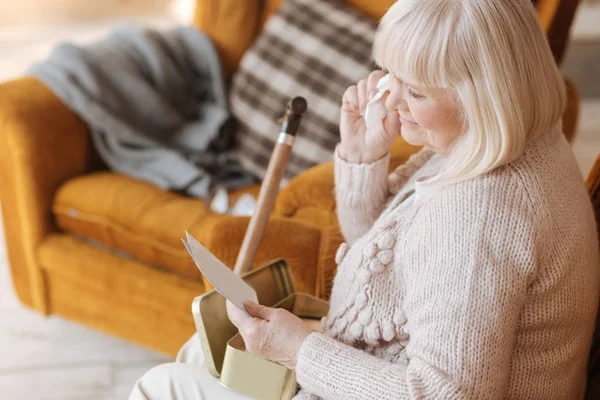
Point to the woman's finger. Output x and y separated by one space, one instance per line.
373 80
236 315
363 97
350 99
258 311
391 124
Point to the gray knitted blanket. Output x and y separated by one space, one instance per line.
155 104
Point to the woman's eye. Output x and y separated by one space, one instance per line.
415 95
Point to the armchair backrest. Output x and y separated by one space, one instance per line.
233 24
556 17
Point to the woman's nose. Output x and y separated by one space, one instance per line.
395 100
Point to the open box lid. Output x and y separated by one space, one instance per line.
272 283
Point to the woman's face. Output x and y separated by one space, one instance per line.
429 118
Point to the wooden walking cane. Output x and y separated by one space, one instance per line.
223 348
270 186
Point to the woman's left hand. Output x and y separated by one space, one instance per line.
271 333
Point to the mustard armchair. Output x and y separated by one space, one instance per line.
103 249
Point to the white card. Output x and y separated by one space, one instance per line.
224 280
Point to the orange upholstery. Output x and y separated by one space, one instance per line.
593 185
593 384
122 297
43 145
132 216
269 7
50 187
373 9
231 24
148 223
556 17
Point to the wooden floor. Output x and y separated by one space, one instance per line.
51 358
54 359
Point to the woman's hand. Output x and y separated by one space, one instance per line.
359 145
271 333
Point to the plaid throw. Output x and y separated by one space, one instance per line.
310 48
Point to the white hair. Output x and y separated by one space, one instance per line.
493 57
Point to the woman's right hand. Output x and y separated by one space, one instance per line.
358 144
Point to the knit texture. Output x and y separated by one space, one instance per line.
486 289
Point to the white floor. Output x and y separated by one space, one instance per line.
54 359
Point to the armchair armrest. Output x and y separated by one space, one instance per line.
310 191
43 144
298 243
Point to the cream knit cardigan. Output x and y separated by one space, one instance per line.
487 289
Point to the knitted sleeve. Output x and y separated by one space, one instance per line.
361 192
466 276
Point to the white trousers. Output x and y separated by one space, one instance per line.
185 379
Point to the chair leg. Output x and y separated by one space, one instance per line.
571 115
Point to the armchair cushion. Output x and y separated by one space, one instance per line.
132 216
309 48
138 220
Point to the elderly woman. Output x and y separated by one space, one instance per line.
470 272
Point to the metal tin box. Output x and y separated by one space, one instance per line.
223 348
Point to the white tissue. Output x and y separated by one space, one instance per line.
220 203
376 110
244 206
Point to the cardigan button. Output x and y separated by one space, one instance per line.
361 300
372 332
399 316
376 266
389 331
355 330
341 324
386 242
385 256
365 316
364 275
370 250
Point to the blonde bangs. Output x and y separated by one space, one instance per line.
412 42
